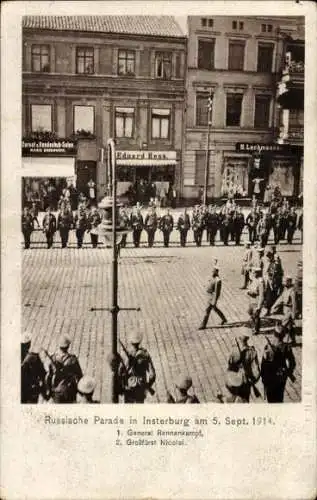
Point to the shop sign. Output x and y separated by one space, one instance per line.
145 155
255 147
49 148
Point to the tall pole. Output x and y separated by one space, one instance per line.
207 147
114 306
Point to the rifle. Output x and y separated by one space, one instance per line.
130 359
290 375
255 389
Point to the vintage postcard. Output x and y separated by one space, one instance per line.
158 248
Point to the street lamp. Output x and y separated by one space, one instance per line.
209 107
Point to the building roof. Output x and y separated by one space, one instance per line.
165 26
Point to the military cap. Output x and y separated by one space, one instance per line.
243 339
184 382
64 341
86 385
26 339
135 337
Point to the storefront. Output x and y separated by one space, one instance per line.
48 168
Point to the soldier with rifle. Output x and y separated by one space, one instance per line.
183 226
182 386
63 374
32 373
166 226
140 371
278 364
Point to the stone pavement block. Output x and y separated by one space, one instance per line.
61 286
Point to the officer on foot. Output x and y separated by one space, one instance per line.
166 226
213 291
278 364
27 227
182 386
137 226
150 226
32 373
85 390
183 226
140 371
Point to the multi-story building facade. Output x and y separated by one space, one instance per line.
235 63
96 77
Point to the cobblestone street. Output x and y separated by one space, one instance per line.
61 286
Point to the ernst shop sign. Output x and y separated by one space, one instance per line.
48 148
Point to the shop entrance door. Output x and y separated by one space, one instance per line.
86 170
142 173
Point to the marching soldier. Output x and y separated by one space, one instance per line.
246 265
49 227
212 225
150 226
252 222
64 373
291 225
137 227
64 224
213 291
270 279
182 386
81 224
263 230
94 220
278 364
256 294
140 371
85 390
166 226
27 227
287 301
183 226
32 373
238 225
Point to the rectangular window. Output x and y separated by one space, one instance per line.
234 107
202 103
40 58
41 118
124 122
178 66
163 65
204 22
206 54
263 28
265 57
160 123
236 55
210 23
126 62
84 117
241 26
234 25
266 28
262 111
85 60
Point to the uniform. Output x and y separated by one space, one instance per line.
124 221
64 224
150 226
49 228
27 228
85 390
226 226
291 226
238 224
81 224
287 300
212 226
256 294
197 227
246 265
263 230
137 227
278 363
183 226
252 222
213 291
182 385
166 226
32 374
94 220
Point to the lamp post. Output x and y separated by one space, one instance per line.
209 106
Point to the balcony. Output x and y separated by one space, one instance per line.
293 136
293 75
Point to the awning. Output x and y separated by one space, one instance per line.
145 163
48 166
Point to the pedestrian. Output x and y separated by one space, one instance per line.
93 222
256 294
85 390
183 226
214 292
166 225
182 386
49 226
32 373
246 265
64 373
277 365
287 301
150 226
137 226
140 370
64 225
27 227
81 225
291 223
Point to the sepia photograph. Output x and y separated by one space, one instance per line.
162 209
